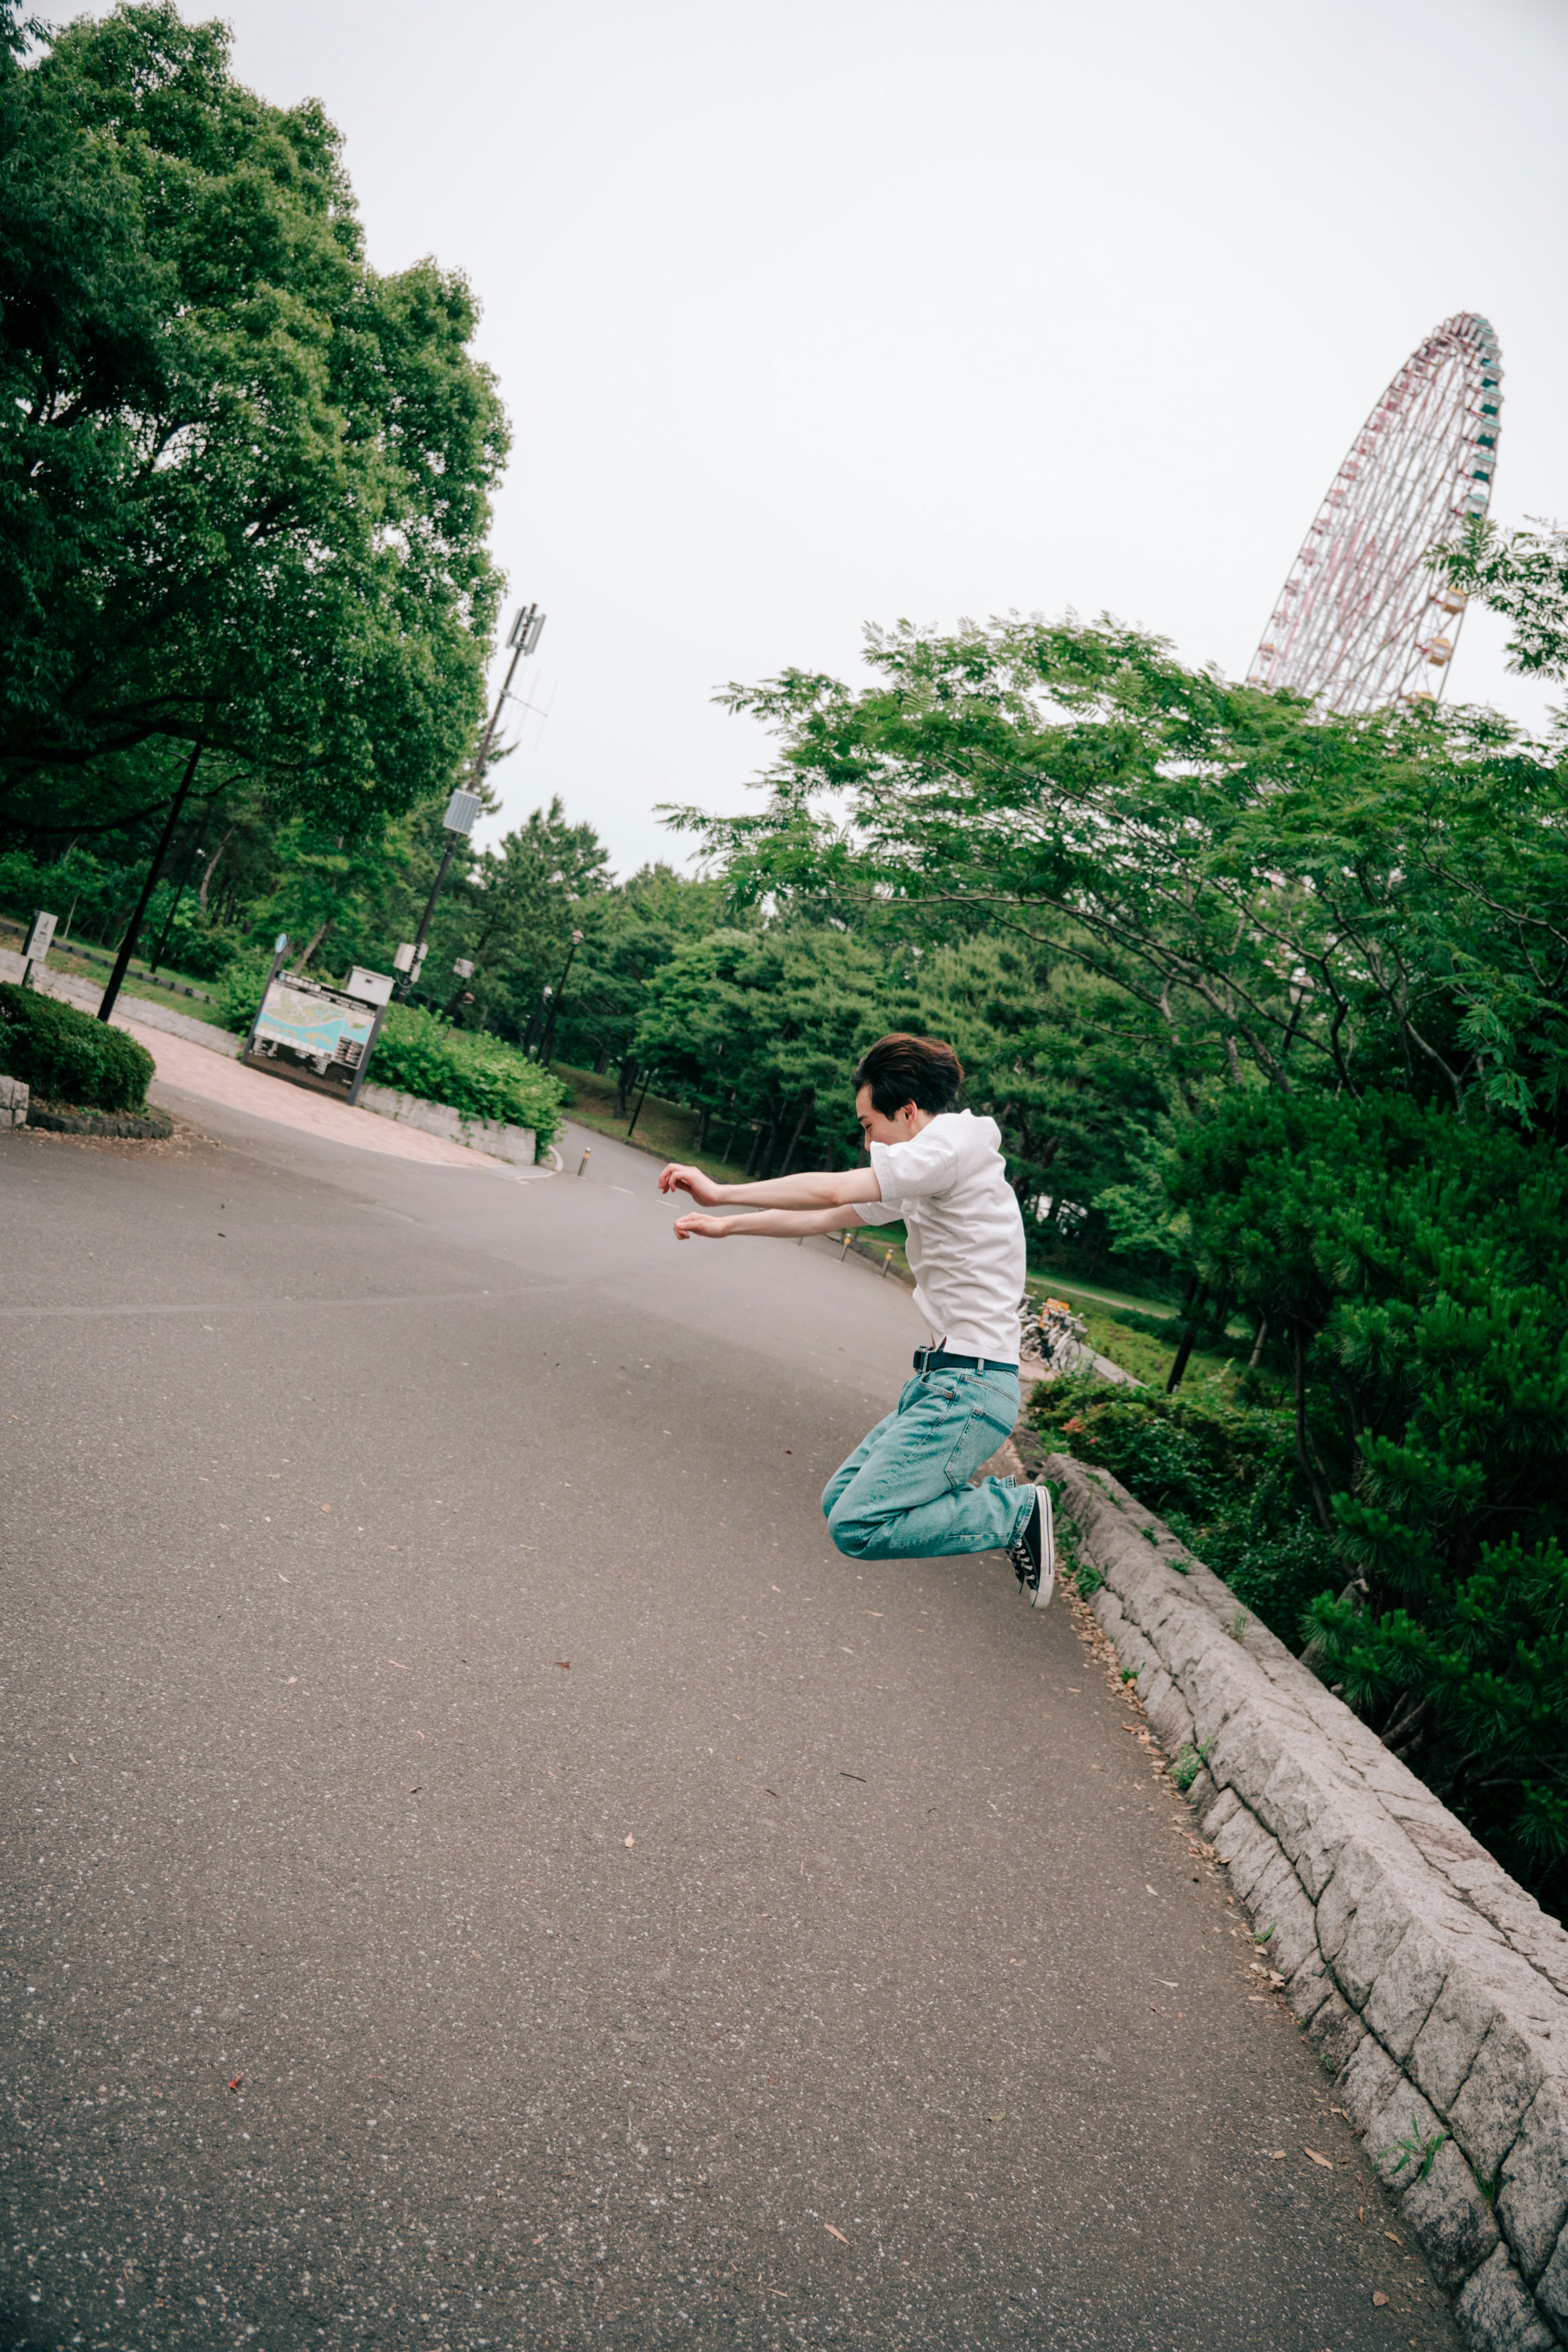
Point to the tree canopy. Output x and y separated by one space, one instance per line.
1359 901
244 478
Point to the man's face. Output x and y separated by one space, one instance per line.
876 1129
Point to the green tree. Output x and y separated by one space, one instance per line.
1366 903
244 479
1413 1265
511 915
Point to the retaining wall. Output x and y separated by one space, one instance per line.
492 1135
1434 1985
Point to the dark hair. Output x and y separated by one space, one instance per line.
901 1068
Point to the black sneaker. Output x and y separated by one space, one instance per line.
1032 1552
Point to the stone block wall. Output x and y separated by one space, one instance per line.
1431 1982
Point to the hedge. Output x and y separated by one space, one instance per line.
68 1056
480 1077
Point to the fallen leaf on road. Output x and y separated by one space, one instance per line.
772 1792
399 1665
326 1507
281 1578
564 1664
1379 2297
1277 2155
870 1613
1395 2235
1000 2116
1150 1890
1326 2161
835 2234
631 1840
1341 2111
237 2081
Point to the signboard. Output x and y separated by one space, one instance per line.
37 943
320 1037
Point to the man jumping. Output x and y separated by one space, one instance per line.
905 1492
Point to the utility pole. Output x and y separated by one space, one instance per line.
463 806
548 1039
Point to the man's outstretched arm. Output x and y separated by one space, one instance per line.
819 1188
781 1222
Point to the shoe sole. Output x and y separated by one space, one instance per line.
1040 1597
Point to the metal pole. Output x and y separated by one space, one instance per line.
548 1039
641 1100
365 1057
279 952
128 944
476 772
429 909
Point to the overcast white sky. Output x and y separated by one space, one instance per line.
813 315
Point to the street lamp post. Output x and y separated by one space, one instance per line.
463 806
554 1000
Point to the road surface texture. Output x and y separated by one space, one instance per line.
483 1871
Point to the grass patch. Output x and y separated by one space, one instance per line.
664 1129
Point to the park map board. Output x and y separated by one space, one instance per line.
316 1036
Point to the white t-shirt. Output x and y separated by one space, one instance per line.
949 1185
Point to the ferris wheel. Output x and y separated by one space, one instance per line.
1361 621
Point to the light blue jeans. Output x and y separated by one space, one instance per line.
905 1492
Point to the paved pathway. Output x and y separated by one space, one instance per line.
483 1871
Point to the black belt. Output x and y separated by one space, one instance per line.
937 1360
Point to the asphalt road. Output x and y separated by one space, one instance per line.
483 1871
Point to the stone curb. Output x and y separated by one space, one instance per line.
155 1126
1435 1987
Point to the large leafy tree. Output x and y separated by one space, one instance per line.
244 479
1278 896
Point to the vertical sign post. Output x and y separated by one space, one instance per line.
280 949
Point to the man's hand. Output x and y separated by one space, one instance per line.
705 1228
676 1178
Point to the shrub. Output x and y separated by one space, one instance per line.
1414 1266
1223 1475
478 1075
238 991
67 1056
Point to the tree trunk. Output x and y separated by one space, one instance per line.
320 932
625 1079
603 1062
754 1158
807 1099
1306 1453
702 1124
1256 1358
1188 1341
213 867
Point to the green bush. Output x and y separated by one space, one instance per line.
480 1077
1223 1475
1414 1268
238 991
68 1056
